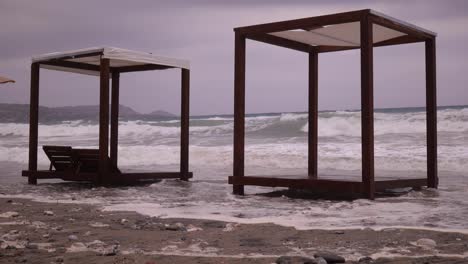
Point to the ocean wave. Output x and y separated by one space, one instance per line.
330 124
332 156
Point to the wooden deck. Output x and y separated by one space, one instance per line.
341 184
118 178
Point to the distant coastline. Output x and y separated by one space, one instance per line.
19 113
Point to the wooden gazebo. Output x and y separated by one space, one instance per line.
364 30
95 165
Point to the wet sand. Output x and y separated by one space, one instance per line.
33 232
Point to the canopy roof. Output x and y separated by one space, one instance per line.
335 32
87 61
5 80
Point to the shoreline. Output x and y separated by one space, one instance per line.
39 232
216 217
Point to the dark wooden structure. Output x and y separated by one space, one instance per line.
364 30
96 165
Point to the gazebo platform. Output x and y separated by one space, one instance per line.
328 183
361 30
100 165
117 178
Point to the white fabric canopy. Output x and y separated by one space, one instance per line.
346 34
118 58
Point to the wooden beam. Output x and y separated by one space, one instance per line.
398 41
310 184
33 121
302 23
64 175
313 115
114 129
367 108
399 183
71 176
239 110
398 26
104 122
394 41
135 176
145 67
73 65
184 125
324 49
282 42
431 113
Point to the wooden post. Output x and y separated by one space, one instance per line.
114 130
367 107
184 125
313 114
239 110
431 113
104 122
33 121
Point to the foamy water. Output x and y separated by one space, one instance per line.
275 144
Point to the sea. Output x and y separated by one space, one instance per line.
276 144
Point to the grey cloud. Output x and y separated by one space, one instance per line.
201 31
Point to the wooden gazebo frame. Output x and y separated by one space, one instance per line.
108 63
293 34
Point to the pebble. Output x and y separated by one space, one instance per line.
72 237
123 221
9 214
98 224
32 246
321 260
425 243
339 232
330 257
46 235
59 259
49 213
295 260
176 227
366 260
87 233
103 249
61 250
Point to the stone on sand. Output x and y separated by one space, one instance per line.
176 227
9 214
48 213
103 249
295 260
366 260
321 260
330 257
98 224
425 243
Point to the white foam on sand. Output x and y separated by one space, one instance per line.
49 199
369 218
391 252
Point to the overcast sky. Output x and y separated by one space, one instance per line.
202 32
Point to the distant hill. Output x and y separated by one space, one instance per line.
19 113
161 113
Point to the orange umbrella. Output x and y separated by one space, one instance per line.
5 80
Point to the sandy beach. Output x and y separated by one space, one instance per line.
33 232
